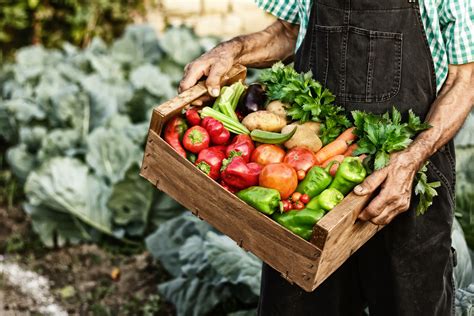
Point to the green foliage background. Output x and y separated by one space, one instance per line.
51 22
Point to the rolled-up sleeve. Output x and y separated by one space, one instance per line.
457 26
285 10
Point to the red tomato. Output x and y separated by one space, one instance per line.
298 205
295 196
286 205
305 198
281 177
301 174
300 158
266 154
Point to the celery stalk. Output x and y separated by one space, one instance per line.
233 126
228 99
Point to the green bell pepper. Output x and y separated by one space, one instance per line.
327 200
317 179
301 222
264 200
350 173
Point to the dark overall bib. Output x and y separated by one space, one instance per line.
373 54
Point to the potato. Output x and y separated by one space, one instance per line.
315 126
264 120
277 107
305 136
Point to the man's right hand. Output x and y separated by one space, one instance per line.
261 49
213 64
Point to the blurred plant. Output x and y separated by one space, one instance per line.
24 22
75 122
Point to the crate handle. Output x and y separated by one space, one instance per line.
163 112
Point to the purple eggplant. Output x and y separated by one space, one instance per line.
253 100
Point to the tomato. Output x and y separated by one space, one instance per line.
300 158
266 154
301 174
298 205
286 205
305 198
281 177
295 196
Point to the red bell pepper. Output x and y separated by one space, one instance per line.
192 116
209 161
218 133
228 187
239 174
220 148
174 131
242 144
196 139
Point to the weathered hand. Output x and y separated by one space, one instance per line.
396 182
213 64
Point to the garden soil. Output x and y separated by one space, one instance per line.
80 280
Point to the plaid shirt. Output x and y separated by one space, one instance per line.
449 27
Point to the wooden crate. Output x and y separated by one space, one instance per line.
307 263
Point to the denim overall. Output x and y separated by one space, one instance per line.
373 54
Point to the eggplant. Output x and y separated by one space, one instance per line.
253 100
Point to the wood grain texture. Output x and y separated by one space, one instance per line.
294 257
339 234
172 107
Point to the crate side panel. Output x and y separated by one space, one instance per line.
295 258
341 244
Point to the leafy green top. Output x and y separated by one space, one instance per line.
426 190
380 135
306 99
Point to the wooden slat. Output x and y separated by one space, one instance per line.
294 257
165 111
339 234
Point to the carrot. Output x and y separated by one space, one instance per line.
338 158
336 147
351 149
348 135
333 169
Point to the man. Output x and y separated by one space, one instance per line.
374 55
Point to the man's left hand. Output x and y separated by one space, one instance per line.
396 182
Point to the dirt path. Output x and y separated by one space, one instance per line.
75 280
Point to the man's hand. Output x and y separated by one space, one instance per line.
262 49
396 182
446 115
213 64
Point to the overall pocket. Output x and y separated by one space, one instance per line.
358 65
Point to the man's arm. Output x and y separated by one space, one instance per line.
260 49
447 115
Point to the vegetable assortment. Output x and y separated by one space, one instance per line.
284 148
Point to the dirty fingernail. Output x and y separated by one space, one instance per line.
359 189
215 92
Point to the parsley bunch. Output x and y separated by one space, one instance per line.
306 99
426 190
380 135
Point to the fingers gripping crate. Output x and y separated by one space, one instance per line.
307 263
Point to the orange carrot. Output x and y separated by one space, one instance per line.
336 147
333 169
348 135
350 150
338 158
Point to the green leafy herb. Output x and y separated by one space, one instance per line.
380 135
425 190
306 99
